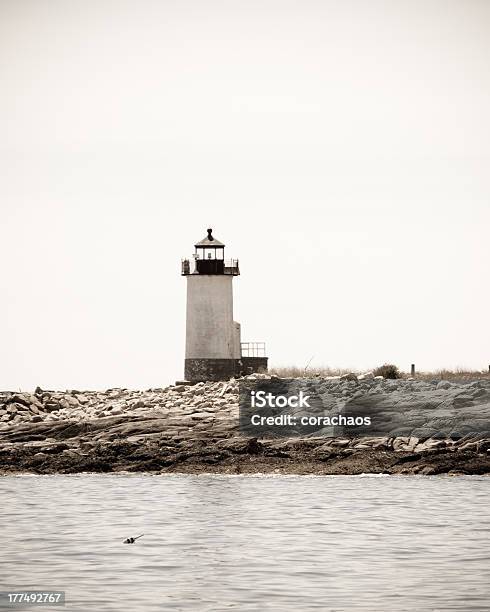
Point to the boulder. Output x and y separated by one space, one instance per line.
444 384
17 407
51 406
349 377
401 443
366 376
429 445
19 399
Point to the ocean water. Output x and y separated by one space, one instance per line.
246 543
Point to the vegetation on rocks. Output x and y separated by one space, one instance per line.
388 370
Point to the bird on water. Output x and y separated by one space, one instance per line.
132 540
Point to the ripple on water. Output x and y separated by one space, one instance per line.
249 542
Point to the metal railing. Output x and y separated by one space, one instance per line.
252 349
209 266
231 267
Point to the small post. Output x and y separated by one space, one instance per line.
412 370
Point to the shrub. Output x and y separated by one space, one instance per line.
388 370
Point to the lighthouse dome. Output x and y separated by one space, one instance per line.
209 241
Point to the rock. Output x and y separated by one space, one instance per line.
339 442
473 446
401 443
429 445
53 448
424 433
34 401
51 406
427 471
40 456
444 384
366 376
373 443
221 393
19 399
390 385
349 377
70 454
15 408
253 447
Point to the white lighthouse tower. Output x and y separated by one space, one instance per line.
213 349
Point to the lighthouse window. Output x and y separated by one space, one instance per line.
210 253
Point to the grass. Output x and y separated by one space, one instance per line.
443 374
458 374
296 372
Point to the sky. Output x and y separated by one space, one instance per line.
340 150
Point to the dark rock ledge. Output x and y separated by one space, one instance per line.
194 429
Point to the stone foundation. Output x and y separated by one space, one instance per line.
197 370
211 369
253 364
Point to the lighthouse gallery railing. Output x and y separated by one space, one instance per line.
252 349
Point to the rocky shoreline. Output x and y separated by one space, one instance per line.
195 429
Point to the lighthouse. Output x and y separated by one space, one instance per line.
213 347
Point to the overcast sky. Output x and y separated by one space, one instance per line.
340 149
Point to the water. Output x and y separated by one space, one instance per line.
249 543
